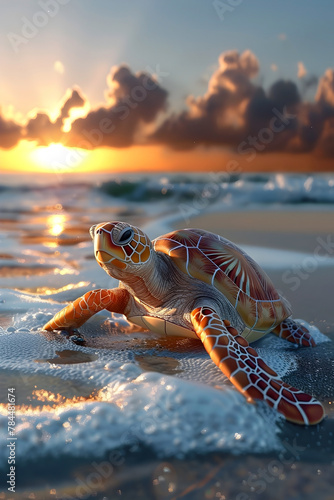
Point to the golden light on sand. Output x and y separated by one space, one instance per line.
70 286
44 400
56 224
58 158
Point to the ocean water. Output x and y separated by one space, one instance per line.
127 405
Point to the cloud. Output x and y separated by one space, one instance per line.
325 145
219 116
301 70
133 100
73 99
284 93
59 67
325 92
235 111
316 120
308 82
41 129
10 133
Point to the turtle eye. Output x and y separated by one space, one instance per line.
126 236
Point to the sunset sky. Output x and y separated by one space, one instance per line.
141 85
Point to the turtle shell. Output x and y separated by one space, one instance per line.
217 261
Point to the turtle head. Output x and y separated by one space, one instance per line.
120 248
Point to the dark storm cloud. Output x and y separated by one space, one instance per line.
10 133
133 100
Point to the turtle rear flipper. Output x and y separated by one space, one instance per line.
293 332
248 372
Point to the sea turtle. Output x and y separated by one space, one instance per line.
193 283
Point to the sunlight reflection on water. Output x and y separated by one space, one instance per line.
56 224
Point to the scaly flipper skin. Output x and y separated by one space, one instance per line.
248 372
83 308
295 333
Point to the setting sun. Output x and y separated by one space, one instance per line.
58 157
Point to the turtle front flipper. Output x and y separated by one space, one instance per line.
293 332
83 308
248 372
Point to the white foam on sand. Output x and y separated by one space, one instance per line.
171 416
135 408
195 411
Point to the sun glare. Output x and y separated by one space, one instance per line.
58 158
56 224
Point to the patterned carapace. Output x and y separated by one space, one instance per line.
220 263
